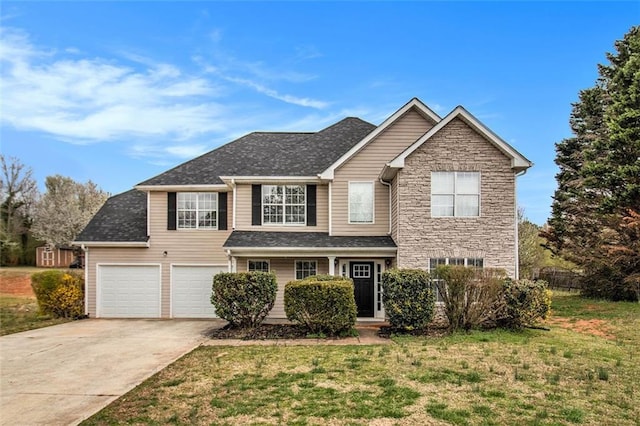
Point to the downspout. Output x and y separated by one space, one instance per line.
233 217
86 278
515 191
330 208
388 185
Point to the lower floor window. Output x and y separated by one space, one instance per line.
306 268
258 266
471 262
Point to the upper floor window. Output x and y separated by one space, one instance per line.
258 266
455 194
361 202
197 210
284 204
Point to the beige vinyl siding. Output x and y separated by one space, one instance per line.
182 247
491 236
243 216
284 268
366 165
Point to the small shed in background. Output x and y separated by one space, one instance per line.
54 257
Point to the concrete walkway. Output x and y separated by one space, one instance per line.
63 374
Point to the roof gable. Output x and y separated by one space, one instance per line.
414 103
518 161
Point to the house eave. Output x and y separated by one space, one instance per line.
312 251
269 179
143 244
183 188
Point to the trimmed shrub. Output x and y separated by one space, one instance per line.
470 295
324 304
60 294
409 300
244 298
523 303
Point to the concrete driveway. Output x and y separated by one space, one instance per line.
63 374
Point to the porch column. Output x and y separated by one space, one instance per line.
234 264
332 266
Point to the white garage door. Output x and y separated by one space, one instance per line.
129 291
191 291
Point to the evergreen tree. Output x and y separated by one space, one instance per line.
598 195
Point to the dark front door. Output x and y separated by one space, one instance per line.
362 276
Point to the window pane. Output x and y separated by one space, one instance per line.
442 205
361 202
456 261
468 183
305 269
476 263
442 182
284 204
467 205
258 266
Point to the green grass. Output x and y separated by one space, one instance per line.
21 314
476 378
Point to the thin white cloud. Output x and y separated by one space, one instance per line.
305 102
91 100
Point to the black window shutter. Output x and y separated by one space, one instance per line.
222 211
311 205
171 211
256 205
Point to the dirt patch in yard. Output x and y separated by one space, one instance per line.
595 327
17 285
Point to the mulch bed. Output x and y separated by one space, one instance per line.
292 331
262 332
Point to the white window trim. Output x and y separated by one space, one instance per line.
373 203
259 260
284 206
295 269
197 228
455 194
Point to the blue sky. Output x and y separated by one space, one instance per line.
118 92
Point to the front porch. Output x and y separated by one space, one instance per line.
296 255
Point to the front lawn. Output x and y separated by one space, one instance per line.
20 313
18 305
568 375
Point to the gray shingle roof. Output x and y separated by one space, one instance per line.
303 239
122 218
269 154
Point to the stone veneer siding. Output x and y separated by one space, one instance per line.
457 147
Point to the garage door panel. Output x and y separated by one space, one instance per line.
129 291
191 291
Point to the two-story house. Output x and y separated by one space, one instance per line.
353 199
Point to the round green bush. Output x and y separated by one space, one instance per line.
60 294
409 300
324 304
244 298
